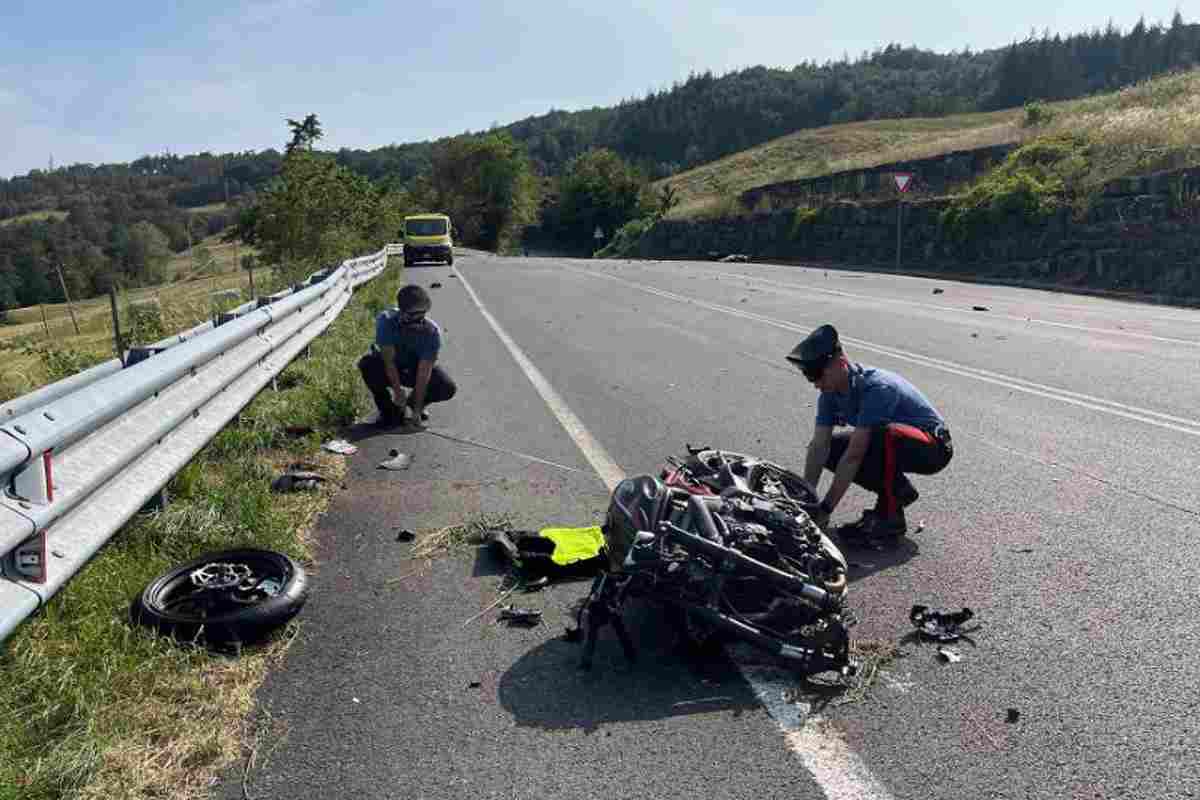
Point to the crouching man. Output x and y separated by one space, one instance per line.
403 358
894 430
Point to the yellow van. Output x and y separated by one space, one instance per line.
426 237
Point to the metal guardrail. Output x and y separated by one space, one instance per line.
80 457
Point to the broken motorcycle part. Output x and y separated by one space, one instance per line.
938 625
725 540
520 616
226 596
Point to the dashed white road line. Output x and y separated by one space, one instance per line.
840 773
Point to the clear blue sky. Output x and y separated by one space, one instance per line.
112 81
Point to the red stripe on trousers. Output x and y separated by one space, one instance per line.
892 434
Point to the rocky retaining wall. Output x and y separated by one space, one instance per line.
1142 237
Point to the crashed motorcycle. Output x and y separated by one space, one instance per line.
726 542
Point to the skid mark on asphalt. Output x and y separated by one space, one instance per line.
840 773
1156 418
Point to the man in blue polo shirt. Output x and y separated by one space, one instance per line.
404 356
893 430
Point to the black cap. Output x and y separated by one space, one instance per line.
819 346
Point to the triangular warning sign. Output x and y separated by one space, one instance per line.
903 180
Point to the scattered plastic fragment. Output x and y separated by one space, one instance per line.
949 655
979 308
435 285
939 291
340 446
405 535
474 685
1012 716
938 625
398 461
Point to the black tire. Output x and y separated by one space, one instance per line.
450 260
408 262
173 605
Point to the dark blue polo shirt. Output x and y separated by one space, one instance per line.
419 342
877 397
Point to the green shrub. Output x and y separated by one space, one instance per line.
62 362
625 240
1036 113
804 217
1032 184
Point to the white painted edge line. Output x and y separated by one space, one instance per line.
1143 415
840 773
605 467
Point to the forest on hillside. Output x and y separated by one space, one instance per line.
115 222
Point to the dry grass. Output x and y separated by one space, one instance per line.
468 533
820 151
1154 125
34 216
184 304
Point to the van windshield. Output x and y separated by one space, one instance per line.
425 227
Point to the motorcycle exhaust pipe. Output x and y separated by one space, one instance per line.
811 657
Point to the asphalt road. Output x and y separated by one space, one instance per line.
1068 521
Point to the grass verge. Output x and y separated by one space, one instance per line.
91 707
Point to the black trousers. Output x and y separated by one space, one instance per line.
441 386
894 450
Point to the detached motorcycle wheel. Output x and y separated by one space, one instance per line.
223 597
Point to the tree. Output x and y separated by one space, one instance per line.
315 213
304 134
485 184
146 254
599 189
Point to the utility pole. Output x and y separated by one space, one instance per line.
70 306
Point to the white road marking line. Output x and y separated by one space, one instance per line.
959 310
840 773
605 467
1147 416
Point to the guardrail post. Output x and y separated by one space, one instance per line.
35 483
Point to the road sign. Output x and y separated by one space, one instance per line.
599 234
903 181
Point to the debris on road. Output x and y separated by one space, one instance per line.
939 291
474 685
297 480
340 446
435 285
1012 716
949 655
939 625
735 258
397 461
551 552
526 617
405 535
537 585
980 308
